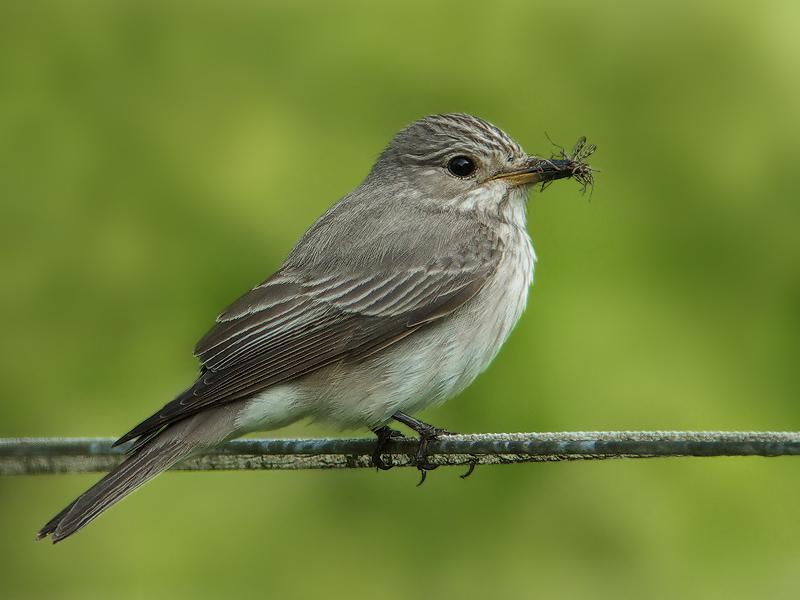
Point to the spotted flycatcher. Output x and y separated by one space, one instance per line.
393 301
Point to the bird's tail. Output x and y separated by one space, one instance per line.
147 461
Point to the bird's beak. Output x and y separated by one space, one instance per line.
539 170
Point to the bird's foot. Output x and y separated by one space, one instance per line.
427 433
426 436
385 435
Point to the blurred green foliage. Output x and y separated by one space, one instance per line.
158 159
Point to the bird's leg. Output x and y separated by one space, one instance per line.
426 433
385 435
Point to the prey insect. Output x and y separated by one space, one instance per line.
575 162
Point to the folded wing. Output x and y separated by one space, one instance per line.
292 325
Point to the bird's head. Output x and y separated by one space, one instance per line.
460 161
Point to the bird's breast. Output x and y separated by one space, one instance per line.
501 302
467 343
435 363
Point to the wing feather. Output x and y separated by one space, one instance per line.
294 324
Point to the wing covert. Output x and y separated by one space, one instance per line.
292 325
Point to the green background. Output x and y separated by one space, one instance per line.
157 160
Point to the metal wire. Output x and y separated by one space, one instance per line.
21 456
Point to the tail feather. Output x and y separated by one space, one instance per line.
51 525
141 466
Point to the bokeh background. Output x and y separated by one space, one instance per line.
159 159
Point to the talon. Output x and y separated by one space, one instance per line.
421 457
380 464
424 466
472 464
385 435
426 434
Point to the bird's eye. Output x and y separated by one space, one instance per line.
461 166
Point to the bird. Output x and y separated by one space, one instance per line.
394 300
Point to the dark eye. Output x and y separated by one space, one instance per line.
461 166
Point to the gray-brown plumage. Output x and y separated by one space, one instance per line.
395 299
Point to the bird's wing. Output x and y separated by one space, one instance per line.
292 325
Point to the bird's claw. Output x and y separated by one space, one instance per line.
385 435
426 435
471 468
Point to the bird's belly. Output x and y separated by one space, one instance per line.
481 328
437 362
424 369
